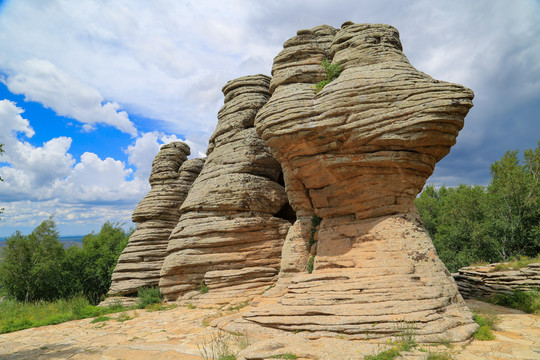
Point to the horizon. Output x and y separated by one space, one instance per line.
89 93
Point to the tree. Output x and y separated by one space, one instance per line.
493 223
31 265
89 269
36 267
101 252
514 202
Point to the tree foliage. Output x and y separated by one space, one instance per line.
37 267
494 223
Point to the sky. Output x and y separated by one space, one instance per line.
90 89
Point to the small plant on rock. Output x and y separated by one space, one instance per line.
203 288
310 264
332 72
315 221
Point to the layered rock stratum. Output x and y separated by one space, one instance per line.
228 240
340 251
355 155
487 280
156 216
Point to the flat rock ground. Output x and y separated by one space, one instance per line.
178 333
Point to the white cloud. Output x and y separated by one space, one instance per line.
41 81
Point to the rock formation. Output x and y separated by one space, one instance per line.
357 262
355 155
228 240
156 215
485 281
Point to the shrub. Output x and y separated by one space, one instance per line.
310 264
148 296
332 72
203 288
527 301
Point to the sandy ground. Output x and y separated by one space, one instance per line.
179 333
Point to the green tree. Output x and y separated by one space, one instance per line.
493 223
31 265
515 203
95 263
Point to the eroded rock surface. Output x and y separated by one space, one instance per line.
355 155
485 281
228 240
156 216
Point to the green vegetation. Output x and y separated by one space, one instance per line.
405 342
516 263
100 318
203 289
487 324
527 301
286 356
474 224
332 72
37 267
16 315
310 264
149 296
315 221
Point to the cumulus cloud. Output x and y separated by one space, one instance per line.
41 81
44 180
31 167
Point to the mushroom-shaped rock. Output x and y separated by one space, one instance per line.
355 155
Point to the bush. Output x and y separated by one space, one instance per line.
332 72
527 301
148 296
203 288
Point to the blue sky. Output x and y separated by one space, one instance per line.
89 90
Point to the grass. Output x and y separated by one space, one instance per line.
239 306
527 301
222 346
332 72
439 356
16 315
286 356
100 318
405 342
516 263
487 324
